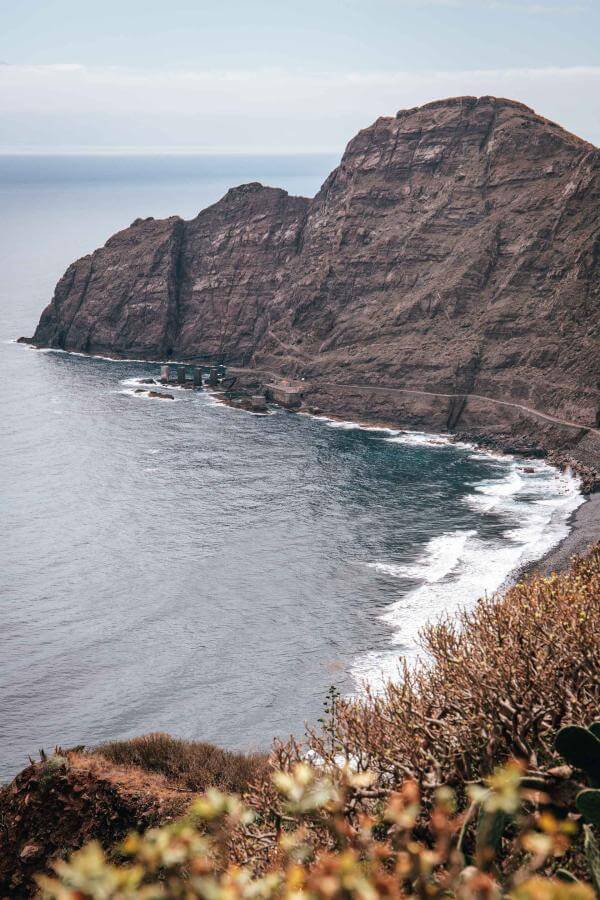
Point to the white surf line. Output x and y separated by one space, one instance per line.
115 359
456 568
447 575
335 384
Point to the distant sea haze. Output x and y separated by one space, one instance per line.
210 175
186 567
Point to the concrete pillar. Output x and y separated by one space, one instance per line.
213 376
259 404
197 377
165 374
181 375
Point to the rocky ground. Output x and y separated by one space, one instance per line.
58 804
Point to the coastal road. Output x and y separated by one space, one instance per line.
528 409
394 389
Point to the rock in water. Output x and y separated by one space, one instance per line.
455 250
158 396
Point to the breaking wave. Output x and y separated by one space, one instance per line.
354 426
145 395
455 568
441 556
425 439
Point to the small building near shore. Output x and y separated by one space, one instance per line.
285 394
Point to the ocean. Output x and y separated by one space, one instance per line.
186 567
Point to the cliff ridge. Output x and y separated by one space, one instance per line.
455 250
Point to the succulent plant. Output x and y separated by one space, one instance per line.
588 804
566 876
490 828
581 749
592 853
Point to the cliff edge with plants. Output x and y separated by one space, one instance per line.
460 780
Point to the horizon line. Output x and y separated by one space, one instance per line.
79 150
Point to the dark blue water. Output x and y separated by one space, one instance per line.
186 567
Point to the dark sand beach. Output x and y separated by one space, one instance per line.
585 531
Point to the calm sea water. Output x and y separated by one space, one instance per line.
189 568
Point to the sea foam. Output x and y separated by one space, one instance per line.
426 439
347 425
458 567
439 559
144 395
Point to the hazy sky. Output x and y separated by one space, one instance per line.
270 76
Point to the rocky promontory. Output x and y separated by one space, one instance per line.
447 275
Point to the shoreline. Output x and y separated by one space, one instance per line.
584 532
583 523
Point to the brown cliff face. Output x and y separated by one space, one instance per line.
456 249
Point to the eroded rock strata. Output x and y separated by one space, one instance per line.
455 250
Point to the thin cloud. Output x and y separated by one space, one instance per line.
508 5
68 105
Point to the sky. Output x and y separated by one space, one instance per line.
263 76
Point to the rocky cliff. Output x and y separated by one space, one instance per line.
454 251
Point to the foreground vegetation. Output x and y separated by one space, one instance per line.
460 780
391 853
497 682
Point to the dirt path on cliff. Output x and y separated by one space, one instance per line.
527 409
393 389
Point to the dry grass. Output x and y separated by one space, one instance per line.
194 765
55 806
